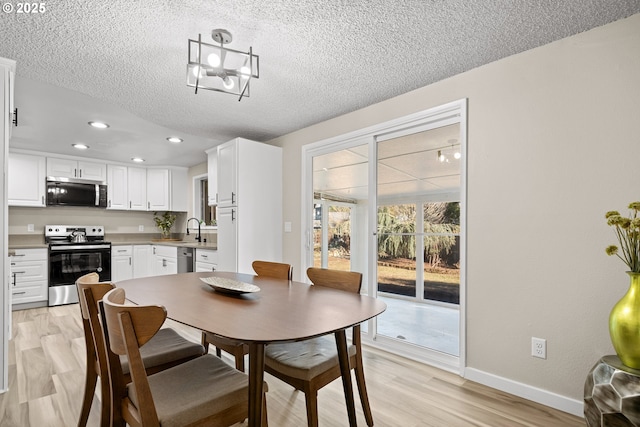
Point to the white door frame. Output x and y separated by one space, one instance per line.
413 123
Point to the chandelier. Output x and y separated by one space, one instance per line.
216 67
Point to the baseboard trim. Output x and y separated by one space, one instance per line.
544 397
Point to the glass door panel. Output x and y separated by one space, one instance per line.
418 237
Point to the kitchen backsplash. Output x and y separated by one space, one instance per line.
114 222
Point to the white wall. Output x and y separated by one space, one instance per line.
553 143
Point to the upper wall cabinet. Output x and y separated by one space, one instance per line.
117 187
26 180
142 189
212 172
76 169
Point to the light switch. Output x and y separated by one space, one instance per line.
287 227
141 228
30 228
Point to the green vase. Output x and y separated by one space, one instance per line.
624 324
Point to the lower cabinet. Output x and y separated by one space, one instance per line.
142 261
121 263
29 276
206 260
165 260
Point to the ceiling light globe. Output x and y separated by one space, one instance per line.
213 60
227 83
457 155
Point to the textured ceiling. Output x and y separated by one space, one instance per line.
318 59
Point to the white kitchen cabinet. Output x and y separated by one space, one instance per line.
141 261
26 180
212 173
249 204
29 276
158 190
137 188
227 182
68 168
206 260
165 260
121 263
117 194
167 189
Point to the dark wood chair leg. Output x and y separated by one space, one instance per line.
362 390
89 390
204 342
311 398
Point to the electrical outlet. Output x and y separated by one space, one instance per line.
141 228
30 228
539 347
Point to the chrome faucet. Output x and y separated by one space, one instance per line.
199 236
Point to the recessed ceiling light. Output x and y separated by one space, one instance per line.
80 146
174 139
99 125
137 159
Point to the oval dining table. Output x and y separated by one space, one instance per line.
281 311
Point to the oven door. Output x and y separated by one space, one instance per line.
69 262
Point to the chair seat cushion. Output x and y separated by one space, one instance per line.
166 346
304 359
195 390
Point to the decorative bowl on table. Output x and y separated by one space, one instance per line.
229 286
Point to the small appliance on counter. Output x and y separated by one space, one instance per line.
75 250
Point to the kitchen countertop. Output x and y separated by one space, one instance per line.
20 241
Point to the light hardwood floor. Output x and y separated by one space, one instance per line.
46 377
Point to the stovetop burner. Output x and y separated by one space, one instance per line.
64 234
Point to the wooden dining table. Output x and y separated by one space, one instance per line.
281 311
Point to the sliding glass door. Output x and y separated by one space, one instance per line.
399 220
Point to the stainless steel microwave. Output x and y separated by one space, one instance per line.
76 192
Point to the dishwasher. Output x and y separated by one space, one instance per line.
185 260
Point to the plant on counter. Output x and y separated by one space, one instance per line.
165 222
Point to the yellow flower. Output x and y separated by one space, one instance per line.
611 250
611 213
634 206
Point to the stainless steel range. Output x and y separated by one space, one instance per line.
75 250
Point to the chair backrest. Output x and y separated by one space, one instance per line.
349 281
276 270
84 282
128 328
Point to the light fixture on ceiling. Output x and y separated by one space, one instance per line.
441 157
137 159
174 139
218 68
99 125
80 146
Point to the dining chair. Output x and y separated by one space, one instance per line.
201 391
166 349
238 349
311 364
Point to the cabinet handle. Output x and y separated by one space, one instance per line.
233 197
80 173
19 293
43 200
18 255
213 269
203 256
75 172
14 279
233 215
129 260
148 205
154 250
109 203
18 272
164 262
129 204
